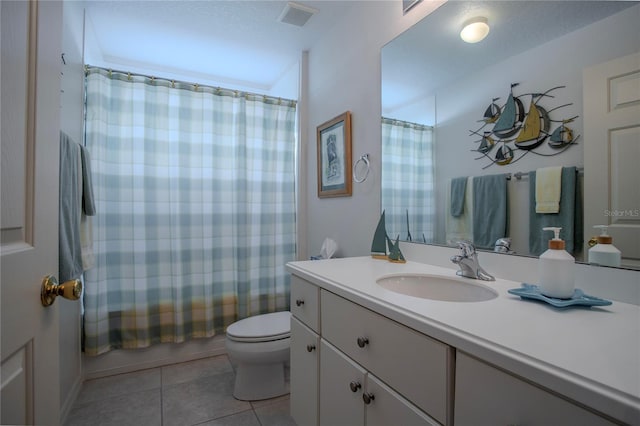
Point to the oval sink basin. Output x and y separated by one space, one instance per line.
437 287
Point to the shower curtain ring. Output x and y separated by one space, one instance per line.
365 159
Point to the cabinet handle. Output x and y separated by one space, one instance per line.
299 302
311 348
367 397
354 386
362 341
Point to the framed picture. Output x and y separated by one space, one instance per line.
408 4
334 157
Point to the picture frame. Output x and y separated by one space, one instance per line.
408 4
334 157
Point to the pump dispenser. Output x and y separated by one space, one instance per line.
556 269
604 253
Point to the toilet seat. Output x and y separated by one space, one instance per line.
261 328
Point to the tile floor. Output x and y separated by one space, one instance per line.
191 393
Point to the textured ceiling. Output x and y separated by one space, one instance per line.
240 43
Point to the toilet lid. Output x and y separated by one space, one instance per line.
261 328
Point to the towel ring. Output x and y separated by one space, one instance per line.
365 159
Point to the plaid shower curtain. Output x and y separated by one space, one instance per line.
407 180
195 200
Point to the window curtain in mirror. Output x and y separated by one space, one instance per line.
195 202
407 180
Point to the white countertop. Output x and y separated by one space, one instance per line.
590 355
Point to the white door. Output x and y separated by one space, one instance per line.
30 110
612 153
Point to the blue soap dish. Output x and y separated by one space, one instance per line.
530 291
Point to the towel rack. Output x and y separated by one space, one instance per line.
520 175
364 159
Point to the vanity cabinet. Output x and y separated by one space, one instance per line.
486 395
411 363
351 396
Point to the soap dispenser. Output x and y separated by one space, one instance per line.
556 269
604 252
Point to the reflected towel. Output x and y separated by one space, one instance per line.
458 192
70 205
461 227
490 210
548 181
569 217
88 203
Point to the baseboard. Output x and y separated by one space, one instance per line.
67 404
129 360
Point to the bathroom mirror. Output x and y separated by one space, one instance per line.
434 82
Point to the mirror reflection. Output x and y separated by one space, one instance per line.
442 99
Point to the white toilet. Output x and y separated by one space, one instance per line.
259 346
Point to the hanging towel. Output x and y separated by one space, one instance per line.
461 227
548 181
490 210
70 206
458 192
88 203
569 217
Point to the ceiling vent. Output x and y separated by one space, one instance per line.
296 14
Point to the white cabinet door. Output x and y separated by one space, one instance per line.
304 374
30 129
488 396
341 386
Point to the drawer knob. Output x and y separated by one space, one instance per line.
367 397
299 302
362 341
311 348
354 386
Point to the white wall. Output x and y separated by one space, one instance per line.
556 63
344 74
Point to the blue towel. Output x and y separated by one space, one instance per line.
490 210
88 203
569 218
458 191
70 204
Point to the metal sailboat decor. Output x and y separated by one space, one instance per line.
517 131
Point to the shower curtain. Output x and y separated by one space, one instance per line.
195 201
407 180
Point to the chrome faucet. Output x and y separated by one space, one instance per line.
467 260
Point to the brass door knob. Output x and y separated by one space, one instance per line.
71 290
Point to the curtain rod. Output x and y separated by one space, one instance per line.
221 91
417 126
520 175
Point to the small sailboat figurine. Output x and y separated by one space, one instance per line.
379 243
395 255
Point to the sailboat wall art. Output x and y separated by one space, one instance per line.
521 126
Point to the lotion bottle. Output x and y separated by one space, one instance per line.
556 269
604 253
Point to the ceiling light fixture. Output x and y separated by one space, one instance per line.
475 30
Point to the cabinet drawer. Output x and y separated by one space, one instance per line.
305 346
486 395
388 408
413 364
305 298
